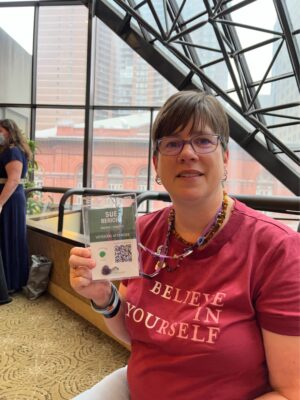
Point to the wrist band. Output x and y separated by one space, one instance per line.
113 306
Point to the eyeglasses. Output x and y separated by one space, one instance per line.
164 259
202 144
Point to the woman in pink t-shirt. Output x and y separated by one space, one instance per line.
215 312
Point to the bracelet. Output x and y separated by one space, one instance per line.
113 306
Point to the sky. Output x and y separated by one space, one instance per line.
18 23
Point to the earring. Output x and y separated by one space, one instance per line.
225 175
158 180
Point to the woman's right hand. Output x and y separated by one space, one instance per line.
81 265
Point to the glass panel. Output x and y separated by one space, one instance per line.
62 45
20 115
262 139
251 14
120 151
142 179
206 38
208 49
282 64
50 117
298 39
174 59
219 74
164 16
16 54
289 162
280 92
237 116
249 36
193 8
247 176
156 205
59 148
122 77
265 55
147 15
289 135
294 13
234 96
196 80
116 7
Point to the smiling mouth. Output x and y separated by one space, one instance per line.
189 175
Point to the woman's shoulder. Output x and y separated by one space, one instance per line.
15 151
12 149
154 218
15 148
12 153
258 221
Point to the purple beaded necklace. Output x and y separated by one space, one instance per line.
162 251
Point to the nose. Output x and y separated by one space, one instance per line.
187 151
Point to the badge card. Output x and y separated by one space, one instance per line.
110 231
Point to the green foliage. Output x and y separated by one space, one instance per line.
36 204
34 199
32 144
32 165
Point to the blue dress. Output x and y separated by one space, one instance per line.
13 238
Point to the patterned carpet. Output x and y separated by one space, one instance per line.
47 352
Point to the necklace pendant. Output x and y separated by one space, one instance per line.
159 265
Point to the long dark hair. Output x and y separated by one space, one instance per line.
16 137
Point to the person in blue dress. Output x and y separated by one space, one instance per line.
14 156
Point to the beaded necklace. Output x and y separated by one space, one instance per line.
208 233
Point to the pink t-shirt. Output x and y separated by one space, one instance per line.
196 331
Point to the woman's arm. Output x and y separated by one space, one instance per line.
117 324
283 359
14 172
81 265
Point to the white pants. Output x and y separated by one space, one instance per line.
112 387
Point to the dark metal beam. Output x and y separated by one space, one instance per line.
244 72
291 45
153 56
272 163
89 97
167 68
34 75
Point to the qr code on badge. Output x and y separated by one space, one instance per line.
123 253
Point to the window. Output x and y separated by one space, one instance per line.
115 178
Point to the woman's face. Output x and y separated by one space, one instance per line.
4 135
190 176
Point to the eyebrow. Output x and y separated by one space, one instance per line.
199 133
191 133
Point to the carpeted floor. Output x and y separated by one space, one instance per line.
47 352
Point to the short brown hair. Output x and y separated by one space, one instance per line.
182 107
